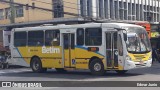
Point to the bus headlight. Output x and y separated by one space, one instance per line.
128 58
150 57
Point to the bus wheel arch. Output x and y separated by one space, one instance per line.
96 66
36 65
93 58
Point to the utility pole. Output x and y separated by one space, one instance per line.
12 12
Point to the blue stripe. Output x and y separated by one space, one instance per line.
20 54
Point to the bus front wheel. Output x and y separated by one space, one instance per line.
36 66
96 67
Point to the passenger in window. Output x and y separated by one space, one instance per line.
54 42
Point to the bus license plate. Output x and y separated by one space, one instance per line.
141 62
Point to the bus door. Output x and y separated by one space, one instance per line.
111 50
69 49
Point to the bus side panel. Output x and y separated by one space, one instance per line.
83 56
19 58
51 57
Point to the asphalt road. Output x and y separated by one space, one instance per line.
26 74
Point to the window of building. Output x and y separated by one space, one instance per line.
82 8
93 36
121 10
20 39
7 13
111 9
35 38
116 5
52 37
130 11
80 36
100 8
58 8
125 11
158 14
19 11
106 8
1 14
137 12
89 8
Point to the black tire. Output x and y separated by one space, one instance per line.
96 67
61 70
36 66
121 71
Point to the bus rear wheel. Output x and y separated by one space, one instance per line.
36 66
121 71
96 67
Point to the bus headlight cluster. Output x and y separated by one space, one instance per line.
128 58
150 57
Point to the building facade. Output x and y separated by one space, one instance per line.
50 9
136 10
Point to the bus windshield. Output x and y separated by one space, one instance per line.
137 40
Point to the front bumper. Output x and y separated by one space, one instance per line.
131 64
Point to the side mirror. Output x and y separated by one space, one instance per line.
125 36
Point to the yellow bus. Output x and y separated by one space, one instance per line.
98 47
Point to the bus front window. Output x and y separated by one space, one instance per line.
137 40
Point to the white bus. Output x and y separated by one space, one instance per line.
94 46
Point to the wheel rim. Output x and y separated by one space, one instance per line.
97 67
36 65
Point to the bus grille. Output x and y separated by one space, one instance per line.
139 57
140 65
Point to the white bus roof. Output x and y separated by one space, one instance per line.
87 25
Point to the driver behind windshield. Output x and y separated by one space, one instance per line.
132 44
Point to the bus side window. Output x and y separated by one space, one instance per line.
52 37
35 38
20 39
80 36
93 36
